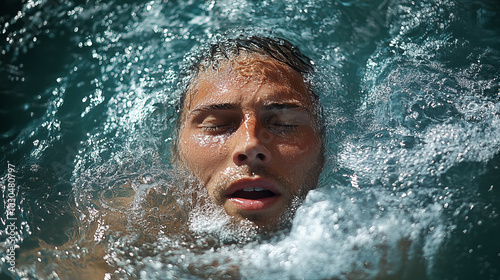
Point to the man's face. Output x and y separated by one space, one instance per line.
249 134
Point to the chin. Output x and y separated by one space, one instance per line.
269 222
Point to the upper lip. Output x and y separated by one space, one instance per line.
242 183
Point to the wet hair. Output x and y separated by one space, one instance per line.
211 56
276 48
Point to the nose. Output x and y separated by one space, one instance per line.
250 144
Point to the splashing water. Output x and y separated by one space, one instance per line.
410 91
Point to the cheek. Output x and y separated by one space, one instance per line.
202 154
299 157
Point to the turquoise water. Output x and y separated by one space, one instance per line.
411 93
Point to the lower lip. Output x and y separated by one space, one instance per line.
254 204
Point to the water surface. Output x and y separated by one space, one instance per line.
411 185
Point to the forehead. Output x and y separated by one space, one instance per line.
248 78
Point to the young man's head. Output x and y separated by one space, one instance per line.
249 128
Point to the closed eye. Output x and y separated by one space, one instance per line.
282 128
220 128
217 123
285 125
283 121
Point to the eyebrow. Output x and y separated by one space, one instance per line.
281 106
217 106
271 106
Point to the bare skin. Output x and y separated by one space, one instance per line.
250 136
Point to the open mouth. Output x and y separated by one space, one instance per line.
253 193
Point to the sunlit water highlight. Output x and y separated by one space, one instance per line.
411 185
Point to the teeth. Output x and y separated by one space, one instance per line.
253 189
